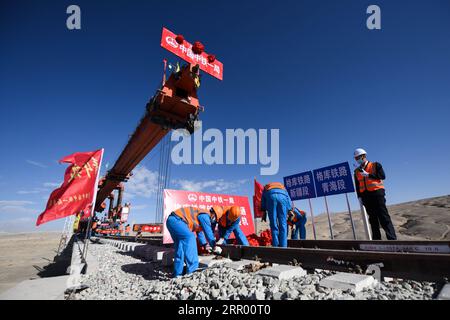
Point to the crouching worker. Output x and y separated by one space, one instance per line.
297 219
228 219
182 225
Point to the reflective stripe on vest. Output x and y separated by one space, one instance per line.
190 216
274 185
230 216
366 183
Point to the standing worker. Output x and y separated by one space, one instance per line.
127 230
182 224
276 203
228 219
370 190
297 219
76 222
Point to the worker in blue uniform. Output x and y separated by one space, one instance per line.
297 220
276 203
182 224
228 220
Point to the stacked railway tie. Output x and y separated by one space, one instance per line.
306 270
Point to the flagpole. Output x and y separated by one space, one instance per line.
94 199
254 211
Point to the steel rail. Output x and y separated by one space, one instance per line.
414 266
425 246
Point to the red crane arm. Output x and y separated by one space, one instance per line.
174 106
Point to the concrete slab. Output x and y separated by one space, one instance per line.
282 272
38 289
444 294
92 264
240 265
347 281
209 261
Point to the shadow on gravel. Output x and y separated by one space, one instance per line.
58 267
149 271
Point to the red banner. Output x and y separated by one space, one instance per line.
184 51
257 200
78 189
175 199
149 227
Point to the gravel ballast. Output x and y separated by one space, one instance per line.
121 276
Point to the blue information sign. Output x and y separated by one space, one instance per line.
300 186
333 179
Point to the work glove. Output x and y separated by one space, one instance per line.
220 241
364 173
217 250
208 248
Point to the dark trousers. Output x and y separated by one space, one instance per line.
375 204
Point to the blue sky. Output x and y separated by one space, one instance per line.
310 68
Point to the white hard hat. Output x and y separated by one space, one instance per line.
359 152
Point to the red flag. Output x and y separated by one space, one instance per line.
78 189
257 200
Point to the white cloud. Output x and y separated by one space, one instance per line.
219 185
48 186
29 225
19 216
37 164
143 183
51 184
14 203
16 207
139 207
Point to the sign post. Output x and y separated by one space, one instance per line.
301 186
365 221
331 180
351 217
312 219
329 218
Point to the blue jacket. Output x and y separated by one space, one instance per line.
207 229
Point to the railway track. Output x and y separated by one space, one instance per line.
414 260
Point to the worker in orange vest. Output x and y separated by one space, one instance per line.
276 203
369 178
182 224
297 219
228 219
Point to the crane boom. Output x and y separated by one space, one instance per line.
174 106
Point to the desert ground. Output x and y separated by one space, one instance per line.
25 255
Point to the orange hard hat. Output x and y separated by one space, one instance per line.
218 210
